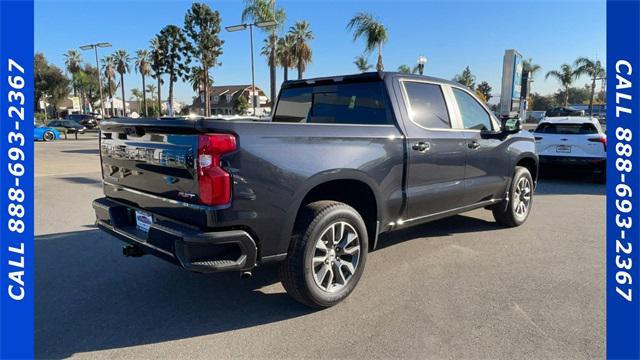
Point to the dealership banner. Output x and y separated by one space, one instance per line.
623 180
16 179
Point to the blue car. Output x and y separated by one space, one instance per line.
43 133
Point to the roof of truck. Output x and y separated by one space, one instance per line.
367 76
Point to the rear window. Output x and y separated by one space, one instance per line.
356 103
567 129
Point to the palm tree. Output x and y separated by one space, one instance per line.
284 54
151 89
267 47
532 69
157 63
362 63
136 94
593 68
144 68
301 33
200 79
375 34
406 69
122 60
265 10
108 67
73 62
565 76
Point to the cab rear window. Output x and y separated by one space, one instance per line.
567 129
348 103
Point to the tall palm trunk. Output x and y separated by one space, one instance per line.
285 73
207 109
144 96
566 96
300 68
170 100
593 93
380 65
124 103
272 67
159 95
113 111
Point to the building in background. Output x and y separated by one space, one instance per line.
224 101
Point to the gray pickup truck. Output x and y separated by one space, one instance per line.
343 160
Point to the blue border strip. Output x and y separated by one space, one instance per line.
623 180
16 251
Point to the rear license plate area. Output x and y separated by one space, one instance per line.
563 148
143 221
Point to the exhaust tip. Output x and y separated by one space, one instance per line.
246 275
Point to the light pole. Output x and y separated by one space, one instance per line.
95 47
261 24
422 60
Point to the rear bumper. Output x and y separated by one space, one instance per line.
594 162
183 245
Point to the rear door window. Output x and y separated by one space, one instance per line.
348 103
474 116
427 107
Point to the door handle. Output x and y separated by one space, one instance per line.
421 146
473 145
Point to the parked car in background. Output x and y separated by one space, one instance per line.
70 126
44 133
563 111
344 160
575 140
89 121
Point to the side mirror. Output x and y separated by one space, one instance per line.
511 125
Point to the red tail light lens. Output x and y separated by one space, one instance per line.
600 139
214 184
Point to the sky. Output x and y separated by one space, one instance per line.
451 34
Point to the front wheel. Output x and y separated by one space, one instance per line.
327 255
517 208
48 136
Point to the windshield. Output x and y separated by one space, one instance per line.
567 129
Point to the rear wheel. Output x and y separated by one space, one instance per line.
327 255
48 136
517 208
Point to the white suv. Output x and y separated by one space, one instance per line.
572 140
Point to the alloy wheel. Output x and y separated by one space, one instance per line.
336 256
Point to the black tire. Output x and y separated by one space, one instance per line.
48 136
298 271
508 213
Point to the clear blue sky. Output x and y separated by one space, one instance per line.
452 34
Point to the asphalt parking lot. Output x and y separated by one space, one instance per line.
456 288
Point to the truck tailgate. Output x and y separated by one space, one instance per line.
152 156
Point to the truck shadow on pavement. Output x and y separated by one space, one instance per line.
89 297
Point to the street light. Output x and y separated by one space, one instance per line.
421 61
95 47
240 27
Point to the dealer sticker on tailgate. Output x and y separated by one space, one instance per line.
143 220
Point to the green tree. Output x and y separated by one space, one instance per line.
50 84
466 78
73 63
595 71
574 95
362 63
137 95
485 90
364 25
266 10
301 33
566 75
241 105
406 69
541 103
109 71
533 69
285 55
200 79
176 53
122 60
157 60
202 26
144 68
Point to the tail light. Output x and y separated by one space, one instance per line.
600 139
214 184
